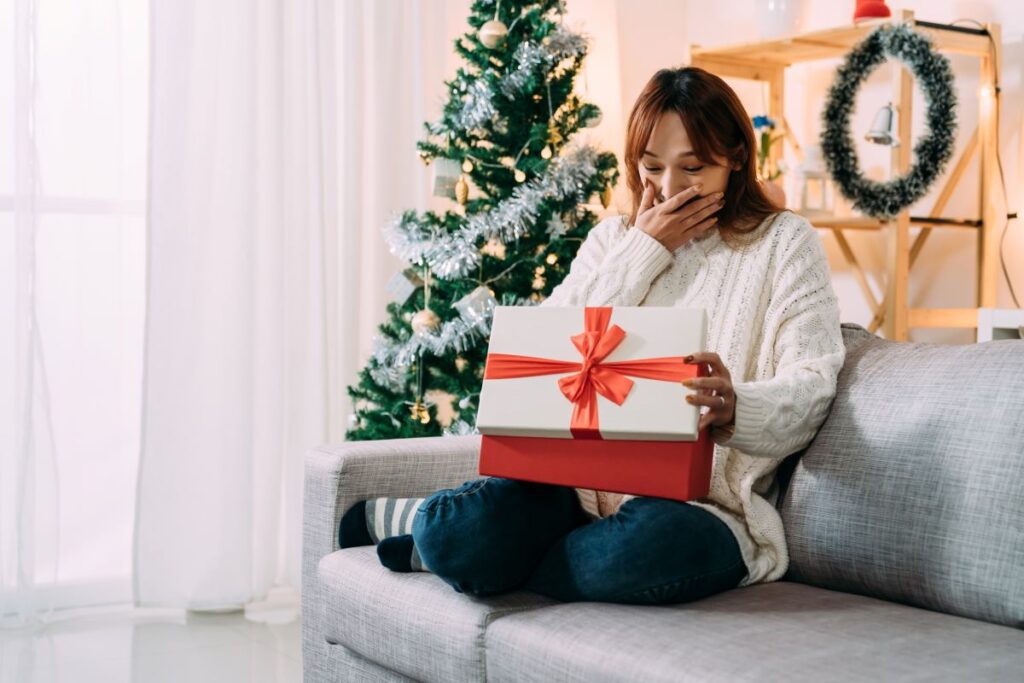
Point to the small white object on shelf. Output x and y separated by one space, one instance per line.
1000 323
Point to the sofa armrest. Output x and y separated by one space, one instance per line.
338 476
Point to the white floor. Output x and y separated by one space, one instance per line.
119 644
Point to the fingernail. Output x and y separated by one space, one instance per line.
698 187
689 399
687 382
688 359
719 194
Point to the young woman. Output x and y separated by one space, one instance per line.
701 234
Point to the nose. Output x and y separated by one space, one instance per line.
673 182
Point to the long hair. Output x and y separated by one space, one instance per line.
716 124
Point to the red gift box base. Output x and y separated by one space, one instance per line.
680 470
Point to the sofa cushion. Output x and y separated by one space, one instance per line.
779 631
412 623
913 489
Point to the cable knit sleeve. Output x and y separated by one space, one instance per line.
614 266
780 415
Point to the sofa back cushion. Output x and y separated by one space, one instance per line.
913 489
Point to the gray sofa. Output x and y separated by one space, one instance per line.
905 526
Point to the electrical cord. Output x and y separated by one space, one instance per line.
998 163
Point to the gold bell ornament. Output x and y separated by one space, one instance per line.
606 196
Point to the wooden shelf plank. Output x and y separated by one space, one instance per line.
944 317
828 43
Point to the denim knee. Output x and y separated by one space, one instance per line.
488 535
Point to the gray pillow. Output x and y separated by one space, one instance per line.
913 489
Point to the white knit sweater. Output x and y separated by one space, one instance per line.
774 320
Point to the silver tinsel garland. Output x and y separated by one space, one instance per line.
392 359
458 254
530 59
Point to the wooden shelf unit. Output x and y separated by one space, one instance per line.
767 62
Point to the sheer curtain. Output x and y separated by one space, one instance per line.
73 96
191 272
237 353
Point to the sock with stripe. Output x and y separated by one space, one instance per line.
369 522
399 554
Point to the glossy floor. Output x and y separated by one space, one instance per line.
116 644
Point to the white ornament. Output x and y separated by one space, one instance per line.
446 174
476 306
402 285
595 120
493 33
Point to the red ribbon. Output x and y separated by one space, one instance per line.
593 376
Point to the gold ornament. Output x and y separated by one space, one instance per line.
462 190
606 196
520 176
467 166
538 271
425 321
494 247
420 412
460 363
554 137
552 259
545 153
492 33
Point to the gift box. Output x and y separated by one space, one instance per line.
592 398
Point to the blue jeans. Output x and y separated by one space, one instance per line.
496 535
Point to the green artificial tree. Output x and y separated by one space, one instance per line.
506 133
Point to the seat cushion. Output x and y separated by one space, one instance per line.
913 489
412 623
767 632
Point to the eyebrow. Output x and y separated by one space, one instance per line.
687 153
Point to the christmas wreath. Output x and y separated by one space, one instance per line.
932 151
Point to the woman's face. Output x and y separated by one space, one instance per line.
668 161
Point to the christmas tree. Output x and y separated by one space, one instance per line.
506 133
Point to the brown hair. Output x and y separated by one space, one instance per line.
716 124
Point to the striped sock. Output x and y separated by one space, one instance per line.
399 554
387 517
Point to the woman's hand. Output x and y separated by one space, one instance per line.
714 391
677 220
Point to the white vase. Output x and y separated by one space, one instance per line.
778 18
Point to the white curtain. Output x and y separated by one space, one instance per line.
237 352
283 138
191 273
72 236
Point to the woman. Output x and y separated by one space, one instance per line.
702 234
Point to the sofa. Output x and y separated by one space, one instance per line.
905 526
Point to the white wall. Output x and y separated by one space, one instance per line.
631 39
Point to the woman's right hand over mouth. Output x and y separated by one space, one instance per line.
677 220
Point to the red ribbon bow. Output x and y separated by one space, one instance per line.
593 376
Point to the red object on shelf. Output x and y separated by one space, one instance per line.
680 470
870 9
